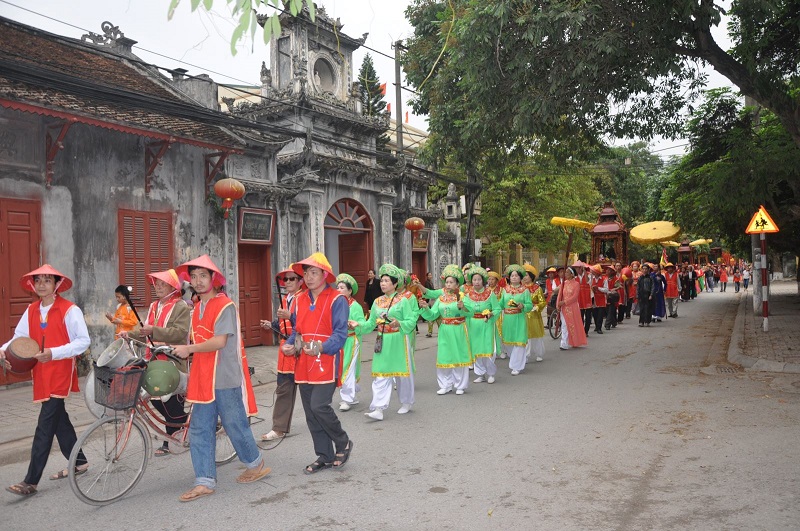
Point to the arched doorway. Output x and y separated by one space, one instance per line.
348 241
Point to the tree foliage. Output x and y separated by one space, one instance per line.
739 159
561 74
372 102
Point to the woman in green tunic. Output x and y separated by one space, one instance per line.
351 365
515 301
395 317
453 356
535 345
484 308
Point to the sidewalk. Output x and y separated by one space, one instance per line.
19 414
777 350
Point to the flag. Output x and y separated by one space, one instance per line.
406 116
664 258
383 89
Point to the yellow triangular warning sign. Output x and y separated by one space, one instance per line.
761 222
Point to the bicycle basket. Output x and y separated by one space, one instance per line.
117 388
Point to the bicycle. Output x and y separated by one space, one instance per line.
117 447
554 323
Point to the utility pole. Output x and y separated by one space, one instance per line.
398 96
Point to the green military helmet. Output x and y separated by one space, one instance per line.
161 378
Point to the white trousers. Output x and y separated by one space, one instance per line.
485 366
349 386
382 389
453 378
516 361
534 348
564 333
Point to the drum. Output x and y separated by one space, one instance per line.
20 354
161 378
88 396
116 355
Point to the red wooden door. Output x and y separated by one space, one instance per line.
354 253
419 265
20 235
254 301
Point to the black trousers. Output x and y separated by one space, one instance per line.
172 411
586 315
645 309
621 309
628 307
285 395
326 430
599 313
611 315
53 422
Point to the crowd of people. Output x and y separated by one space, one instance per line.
481 316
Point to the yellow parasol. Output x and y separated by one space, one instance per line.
701 241
572 224
654 232
670 244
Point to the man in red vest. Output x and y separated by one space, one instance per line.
585 294
320 316
219 381
599 290
286 391
58 326
673 289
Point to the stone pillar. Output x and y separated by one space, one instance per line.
385 231
551 259
230 265
316 217
535 259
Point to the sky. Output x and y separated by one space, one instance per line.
200 41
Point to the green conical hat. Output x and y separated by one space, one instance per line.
350 281
161 378
391 270
454 271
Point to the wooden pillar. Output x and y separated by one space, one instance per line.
518 254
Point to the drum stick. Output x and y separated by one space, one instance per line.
127 296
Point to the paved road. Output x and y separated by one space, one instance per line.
645 429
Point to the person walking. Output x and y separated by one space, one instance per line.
320 333
672 290
351 371
515 302
484 308
572 333
659 306
723 278
372 289
644 294
395 318
535 347
598 282
585 297
59 328
453 355
745 277
286 389
123 317
219 381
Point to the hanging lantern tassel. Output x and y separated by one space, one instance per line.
229 190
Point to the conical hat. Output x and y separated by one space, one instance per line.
281 277
530 269
217 279
169 276
27 280
349 280
316 260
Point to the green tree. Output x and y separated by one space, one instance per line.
739 159
372 102
561 74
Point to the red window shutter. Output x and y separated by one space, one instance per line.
145 240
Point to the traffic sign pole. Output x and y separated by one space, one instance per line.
764 282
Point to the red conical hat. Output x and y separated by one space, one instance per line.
27 280
316 260
281 277
170 276
217 279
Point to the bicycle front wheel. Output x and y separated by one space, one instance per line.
225 451
555 325
117 460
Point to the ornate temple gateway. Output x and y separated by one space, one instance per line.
333 192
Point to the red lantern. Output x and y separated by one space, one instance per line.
229 190
414 224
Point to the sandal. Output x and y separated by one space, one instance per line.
196 492
344 456
254 474
22 489
316 466
162 451
63 474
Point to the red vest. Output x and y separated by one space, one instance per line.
203 370
585 293
551 285
161 321
672 285
56 378
599 296
286 363
316 325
